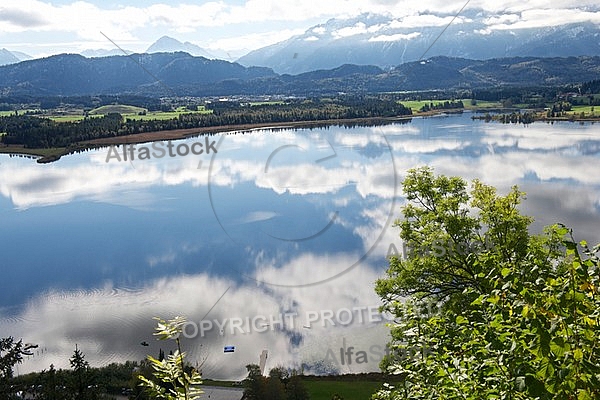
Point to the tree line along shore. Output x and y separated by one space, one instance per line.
40 134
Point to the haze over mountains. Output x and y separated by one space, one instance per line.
167 44
386 42
367 53
12 57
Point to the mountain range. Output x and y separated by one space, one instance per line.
73 74
386 42
165 44
367 53
180 74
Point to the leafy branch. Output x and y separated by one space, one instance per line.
172 382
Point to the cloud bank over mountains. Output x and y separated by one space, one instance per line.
43 28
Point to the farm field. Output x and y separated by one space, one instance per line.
588 110
325 389
416 105
127 111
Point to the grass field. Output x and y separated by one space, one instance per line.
70 118
588 110
20 112
266 103
585 98
481 104
117 108
138 113
128 112
56 151
324 390
416 105
163 114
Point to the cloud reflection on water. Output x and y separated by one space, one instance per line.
555 164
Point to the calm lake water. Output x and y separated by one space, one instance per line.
273 243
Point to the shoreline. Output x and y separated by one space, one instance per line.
178 134
54 154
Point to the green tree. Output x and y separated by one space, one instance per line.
255 384
275 389
51 383
517 315
295 389
280 385
82 384
11 354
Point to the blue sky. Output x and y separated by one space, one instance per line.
42 28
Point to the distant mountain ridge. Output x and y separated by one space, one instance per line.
105 52
180 74
384 41
153 74
12 57
168 44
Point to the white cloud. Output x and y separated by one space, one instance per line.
425 20
113 182
395 38
502 19
518 5
357 29
109 323
28 184
257 216
252 40
543 17
52 27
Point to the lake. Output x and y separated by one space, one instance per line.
272 242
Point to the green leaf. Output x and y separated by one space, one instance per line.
478 301
546 370
562 230
578 354
558 347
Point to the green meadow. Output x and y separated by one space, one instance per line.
416 105
352 390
